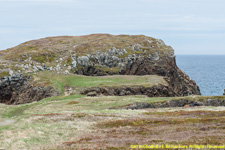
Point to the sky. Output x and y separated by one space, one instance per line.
189 26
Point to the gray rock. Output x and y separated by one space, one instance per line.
74 64
17 90
40 68
66 72
155 56
83 61
35 68
69 68
11 73
160 42
92 94
58 68
139 105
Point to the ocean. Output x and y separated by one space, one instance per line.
208 71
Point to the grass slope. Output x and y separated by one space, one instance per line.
78 122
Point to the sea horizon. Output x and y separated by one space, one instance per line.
208 71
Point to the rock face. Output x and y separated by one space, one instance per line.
17 90
104 64
154 91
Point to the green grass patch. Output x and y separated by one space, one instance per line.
59 81
16 111
19 110
2 128
61 98
114 70
72 102
43 58
3 74
29 48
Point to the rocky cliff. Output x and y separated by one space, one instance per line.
16 89
100 55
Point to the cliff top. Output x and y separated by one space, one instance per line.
54 47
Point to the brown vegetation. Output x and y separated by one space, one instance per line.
179 127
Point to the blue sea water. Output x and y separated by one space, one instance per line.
208 71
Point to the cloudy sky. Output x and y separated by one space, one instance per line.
189 26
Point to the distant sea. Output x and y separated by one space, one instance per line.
208 71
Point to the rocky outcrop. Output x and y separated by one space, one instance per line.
174 103
16 90
154 91
138 64
99 55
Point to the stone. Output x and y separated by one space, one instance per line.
40 68
155 56
138 105
74 64
58 68
83 61
11 72
35 68
69 68
66 72
92 94
26 66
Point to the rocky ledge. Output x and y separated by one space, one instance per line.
154 91
174 103
16 90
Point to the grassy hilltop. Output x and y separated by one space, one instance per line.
51 48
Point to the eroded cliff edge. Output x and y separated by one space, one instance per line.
17 89
100 55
